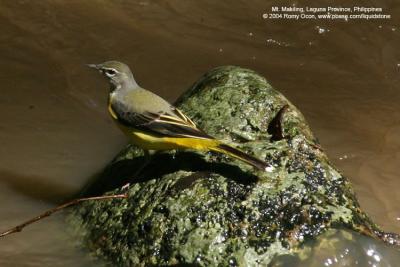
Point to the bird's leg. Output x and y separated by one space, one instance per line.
147 157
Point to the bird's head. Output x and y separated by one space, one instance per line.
118 74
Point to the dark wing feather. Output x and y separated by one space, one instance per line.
162 124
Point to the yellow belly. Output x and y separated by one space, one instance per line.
148 142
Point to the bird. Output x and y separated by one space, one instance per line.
154 124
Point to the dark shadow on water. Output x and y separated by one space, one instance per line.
120 173
37 187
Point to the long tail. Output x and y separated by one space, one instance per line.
236 153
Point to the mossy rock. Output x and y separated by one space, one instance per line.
206 209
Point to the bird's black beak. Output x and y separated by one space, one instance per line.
95 66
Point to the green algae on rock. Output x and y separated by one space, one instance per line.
190 207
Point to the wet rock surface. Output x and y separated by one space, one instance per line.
190 207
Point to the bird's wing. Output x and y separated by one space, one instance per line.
163 124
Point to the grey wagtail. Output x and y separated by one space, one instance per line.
152 123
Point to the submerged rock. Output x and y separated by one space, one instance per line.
341 248
190 207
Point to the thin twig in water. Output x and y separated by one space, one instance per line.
49 212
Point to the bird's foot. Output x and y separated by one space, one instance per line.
126 186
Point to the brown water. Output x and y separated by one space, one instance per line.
55 132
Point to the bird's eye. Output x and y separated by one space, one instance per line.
110 72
